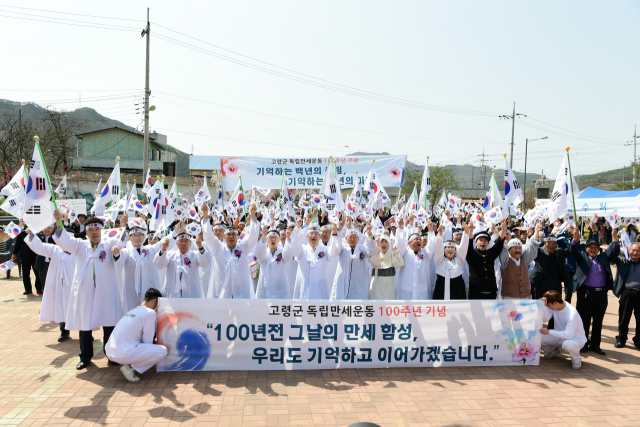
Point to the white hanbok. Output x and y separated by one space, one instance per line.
450 268
183 272
55 300
234 277
312 279
94 300
139 273
273 282
353 277
414 279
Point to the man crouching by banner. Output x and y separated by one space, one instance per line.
131 342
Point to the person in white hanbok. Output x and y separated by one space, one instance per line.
55 300
353 276
273 257
212 278
94 300
449 260
414 279
292 266
384 261
139 272
312 280
325 235
234 280
183 267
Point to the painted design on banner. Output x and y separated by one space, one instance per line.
213 334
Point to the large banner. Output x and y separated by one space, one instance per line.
234 334
308 172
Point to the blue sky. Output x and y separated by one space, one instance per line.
571 67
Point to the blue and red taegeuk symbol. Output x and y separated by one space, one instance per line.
493 215
192 213
112 233
507 188
138 204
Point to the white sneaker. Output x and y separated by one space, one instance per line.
553 353
129 373
576 365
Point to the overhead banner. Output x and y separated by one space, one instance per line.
308 172
256 335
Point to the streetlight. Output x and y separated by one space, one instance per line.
526 149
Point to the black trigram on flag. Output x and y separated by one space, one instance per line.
12 202
34 210
332 188
115 190
40 184
15 186
35 165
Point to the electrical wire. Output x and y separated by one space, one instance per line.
251 141
69 13
324 124
96 25
330 85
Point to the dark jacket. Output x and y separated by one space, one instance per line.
40 260
542 261
23 250
584 264
482 273
624 266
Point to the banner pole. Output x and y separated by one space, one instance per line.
573 198
244 202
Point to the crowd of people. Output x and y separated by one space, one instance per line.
91 280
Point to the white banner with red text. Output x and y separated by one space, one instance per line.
308 172
236 334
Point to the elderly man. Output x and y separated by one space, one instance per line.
591 282
273 257
313 278
569 332
352 279
549 272
627 288
514 259
94 300
234 277
482 274
414 280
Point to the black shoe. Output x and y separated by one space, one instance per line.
27 293
584 349
599 351
82 365
112 363
619 343
63 338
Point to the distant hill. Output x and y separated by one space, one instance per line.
91 119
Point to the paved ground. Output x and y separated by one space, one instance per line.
39 385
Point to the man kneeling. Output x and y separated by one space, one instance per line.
131 342
568 333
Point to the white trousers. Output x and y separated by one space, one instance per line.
571 346
143 357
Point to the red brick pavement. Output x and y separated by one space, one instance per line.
39 385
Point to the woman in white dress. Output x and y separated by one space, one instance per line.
449 260
384 261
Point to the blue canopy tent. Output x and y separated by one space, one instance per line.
600 202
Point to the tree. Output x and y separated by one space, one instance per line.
58 139
16 143
441 178
629 185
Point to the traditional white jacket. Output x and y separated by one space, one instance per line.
94 300
234 277
414 279
62 265
354 272
312 279
139 273
273 282
183 272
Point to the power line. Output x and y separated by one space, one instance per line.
337 87
323 124
73 14
96 25
252 141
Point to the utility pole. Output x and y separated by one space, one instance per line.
147 92
513 129
483 168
